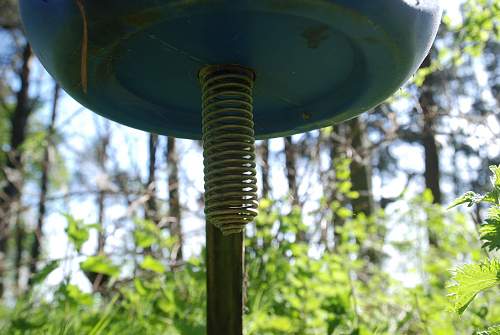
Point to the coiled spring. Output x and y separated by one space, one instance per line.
229 147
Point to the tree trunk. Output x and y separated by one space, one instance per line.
360 168
102 158
432 172
173 197
361 180
151 210
101 208
20 234
44 185
265 169
291 176
430 111
337 151
291 170
10 195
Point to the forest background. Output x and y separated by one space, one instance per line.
102 231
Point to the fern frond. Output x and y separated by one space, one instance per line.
471 279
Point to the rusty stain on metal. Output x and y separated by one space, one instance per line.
315 35
84 52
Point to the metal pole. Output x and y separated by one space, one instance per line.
230 189
225 264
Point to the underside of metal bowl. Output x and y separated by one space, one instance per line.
316 62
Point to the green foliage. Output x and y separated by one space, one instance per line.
151 264
146 234
292 288
470 198
78 232
44 272
490 230
72 294
472 279
480 25
100 264
495 330
469 280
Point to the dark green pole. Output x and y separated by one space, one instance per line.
225 264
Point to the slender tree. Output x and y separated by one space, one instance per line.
430 112
291 170
173 196
9 18
265 167
10 195
44 185
360 167
102 155
151 208
291 176
337 145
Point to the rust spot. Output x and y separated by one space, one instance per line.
85 42
315 35
306 116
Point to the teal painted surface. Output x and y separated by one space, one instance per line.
317 62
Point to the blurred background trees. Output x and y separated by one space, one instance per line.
101 226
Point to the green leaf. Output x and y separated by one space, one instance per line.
146 233
25 325
78 232
76 295
139 287
469 198
490 230
100 264
495 179
143 239
152 264
472 279
45 272
278 323
428 197
344 213
344 187
106 317
495 330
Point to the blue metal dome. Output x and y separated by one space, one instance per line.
316 61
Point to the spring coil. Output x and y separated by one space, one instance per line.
228 147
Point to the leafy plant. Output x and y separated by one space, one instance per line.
472 279
78 232
100 264
469 280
